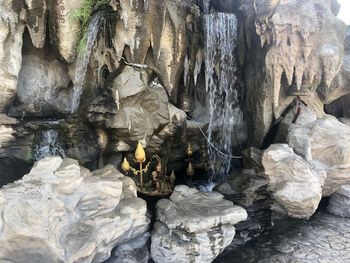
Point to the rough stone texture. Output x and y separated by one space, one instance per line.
65 30
36 21
154 33
6 131
301 46
137 113
339 202
248 188
129 83
323 238
43 83
193 226
325 144
135 251
252 158
15 16
306 115
294 183
11 31
61 212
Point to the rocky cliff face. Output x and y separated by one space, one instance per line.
293 48
144 75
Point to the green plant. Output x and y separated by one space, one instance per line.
83 15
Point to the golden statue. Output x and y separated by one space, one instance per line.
156 182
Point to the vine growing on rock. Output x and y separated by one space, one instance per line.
83 15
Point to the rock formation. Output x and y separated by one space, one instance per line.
324 143
293 47
294 183
166 73
339 202
193 226
61 212
135 251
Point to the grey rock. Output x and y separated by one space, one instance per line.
43 82
135 251
339 202
11 38
61 212
294 183
324 144
65 30
130 82
193 226
252 158
324 238
154 33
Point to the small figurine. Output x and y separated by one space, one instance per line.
156 175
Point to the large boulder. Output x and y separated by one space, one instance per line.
339 202
15 16
325 144
43 82
193 226
294 183
61 212
134 110
11 32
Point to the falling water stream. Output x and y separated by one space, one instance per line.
84 59
48 144
226 117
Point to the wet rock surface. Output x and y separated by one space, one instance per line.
193 226
324 238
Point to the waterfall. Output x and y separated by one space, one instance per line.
48 144
226 126
83 61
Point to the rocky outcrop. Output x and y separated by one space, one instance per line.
300 52
43 84
325 144
61 212
136 110
193 226
135 251
294 183
154 33
11 27
339 202
65 29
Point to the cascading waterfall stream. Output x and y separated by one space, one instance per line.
84 60
226 126
48 144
